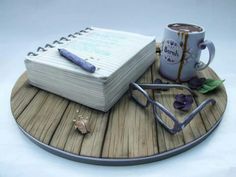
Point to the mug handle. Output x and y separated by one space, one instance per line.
211 48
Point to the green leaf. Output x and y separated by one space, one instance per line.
209 85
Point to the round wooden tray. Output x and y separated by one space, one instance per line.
126 135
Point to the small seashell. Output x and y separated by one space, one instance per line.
82 125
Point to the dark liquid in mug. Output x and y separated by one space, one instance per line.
181 27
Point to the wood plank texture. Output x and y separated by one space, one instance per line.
212 113
131 129
126 131
21 95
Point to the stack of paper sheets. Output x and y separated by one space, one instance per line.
119 57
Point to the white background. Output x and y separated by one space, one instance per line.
27 24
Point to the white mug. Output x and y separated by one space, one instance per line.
181 50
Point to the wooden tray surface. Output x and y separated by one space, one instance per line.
126 135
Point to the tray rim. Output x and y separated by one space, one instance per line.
121 161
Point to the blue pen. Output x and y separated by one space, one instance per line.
77 60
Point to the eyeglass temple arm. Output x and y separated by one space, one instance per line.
197 110
166 86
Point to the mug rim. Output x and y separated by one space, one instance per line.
189 33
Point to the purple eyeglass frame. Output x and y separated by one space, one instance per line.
178 126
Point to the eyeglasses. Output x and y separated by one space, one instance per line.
170 122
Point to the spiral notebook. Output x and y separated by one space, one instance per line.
119 57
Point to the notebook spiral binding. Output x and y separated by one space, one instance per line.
60 41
